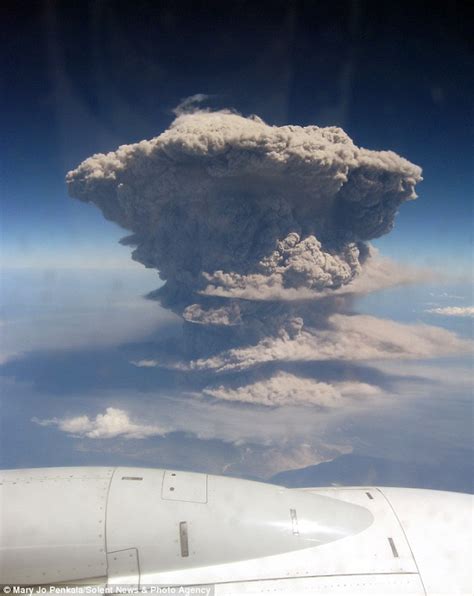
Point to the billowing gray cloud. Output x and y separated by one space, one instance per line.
376 274
223 202
261 234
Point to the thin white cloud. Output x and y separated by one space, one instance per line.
146 363
446 295
109 425
452 311
190 104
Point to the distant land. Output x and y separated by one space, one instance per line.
359 470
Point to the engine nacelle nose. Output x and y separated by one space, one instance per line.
217 520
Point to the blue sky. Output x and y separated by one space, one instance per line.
82 80
394 78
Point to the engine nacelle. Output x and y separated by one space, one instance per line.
143 527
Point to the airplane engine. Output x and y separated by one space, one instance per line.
138 527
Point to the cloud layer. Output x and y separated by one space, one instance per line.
344 338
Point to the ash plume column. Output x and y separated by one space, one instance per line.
240 217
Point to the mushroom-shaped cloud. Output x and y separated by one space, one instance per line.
220 202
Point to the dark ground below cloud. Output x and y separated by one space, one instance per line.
354 470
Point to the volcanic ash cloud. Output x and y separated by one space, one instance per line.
225 206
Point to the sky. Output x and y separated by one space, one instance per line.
92 372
